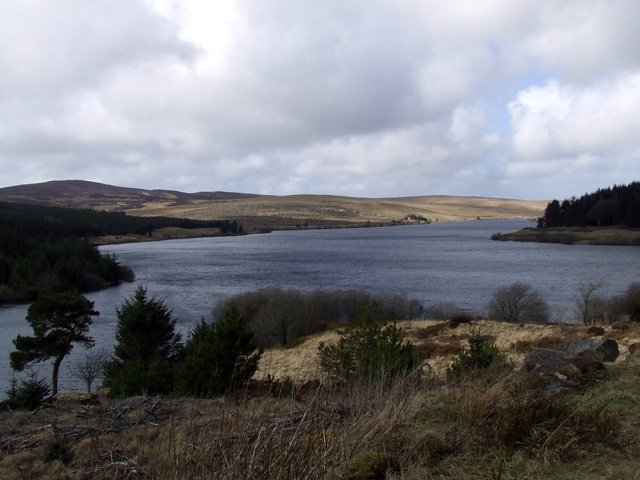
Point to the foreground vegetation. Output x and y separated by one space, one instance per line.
496 424
377 399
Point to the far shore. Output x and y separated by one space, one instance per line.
255 226
175 233
575 236
158 235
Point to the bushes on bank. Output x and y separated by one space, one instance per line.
518 303
149 358
219 356
369 349
280 316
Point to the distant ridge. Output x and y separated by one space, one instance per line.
268 212
86 194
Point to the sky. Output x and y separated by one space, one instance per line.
529 99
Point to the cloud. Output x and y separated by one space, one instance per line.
578 129
364 98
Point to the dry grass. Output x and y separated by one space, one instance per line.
252 438
439 343
483 426
311 208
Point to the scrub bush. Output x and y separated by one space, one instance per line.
27 394
518 303
279 317
369 349
478 354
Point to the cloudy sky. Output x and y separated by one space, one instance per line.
525 99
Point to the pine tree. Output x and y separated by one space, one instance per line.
147 347
58 320
219 356
370 349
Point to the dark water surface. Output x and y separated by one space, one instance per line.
442 262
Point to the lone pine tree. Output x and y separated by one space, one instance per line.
58 321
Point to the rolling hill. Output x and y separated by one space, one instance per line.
264 212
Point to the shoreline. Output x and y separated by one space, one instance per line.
256 228
612 236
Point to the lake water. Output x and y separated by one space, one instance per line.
442 262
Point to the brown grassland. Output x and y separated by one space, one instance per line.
258 213
495 425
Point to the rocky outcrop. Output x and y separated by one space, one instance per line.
604 348
572 365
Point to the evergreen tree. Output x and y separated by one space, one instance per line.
552 214
219 356
58 320
617 206
147 347
369 349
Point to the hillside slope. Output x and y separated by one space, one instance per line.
268 211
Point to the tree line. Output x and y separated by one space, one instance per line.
37 221
47 249
617 206
29 267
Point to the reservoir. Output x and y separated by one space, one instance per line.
454 262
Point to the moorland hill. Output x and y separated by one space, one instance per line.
264 212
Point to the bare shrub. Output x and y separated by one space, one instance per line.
90 367
279 317
632 301
589 306
276 316
518 303
399 306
